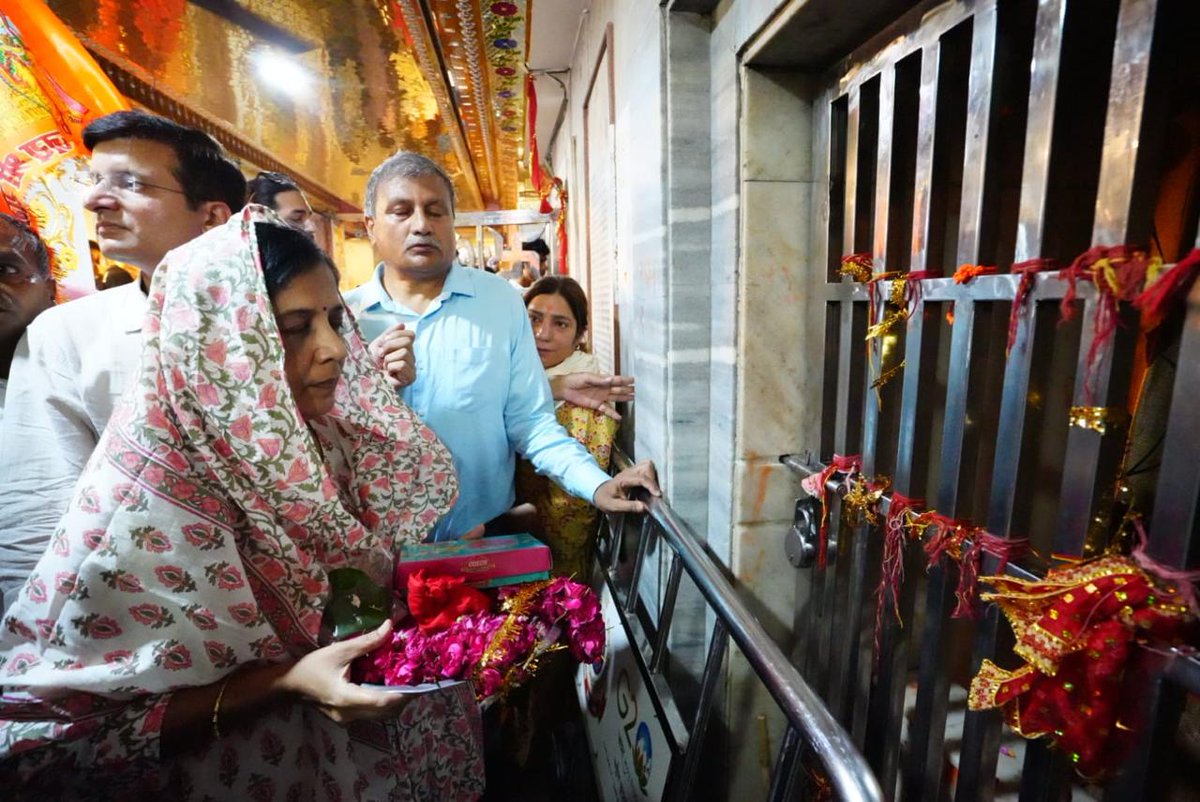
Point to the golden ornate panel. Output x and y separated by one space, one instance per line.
443 77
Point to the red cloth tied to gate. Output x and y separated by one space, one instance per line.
1119 274
982 542
891 575
838 464
1169 291
1075 630
912 287
949 537
1026 270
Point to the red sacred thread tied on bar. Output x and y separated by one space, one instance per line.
839 464
950 537
1171 289
982 542
1182 582
1119 274
891 575
946 538
912 287
1026 270
895 530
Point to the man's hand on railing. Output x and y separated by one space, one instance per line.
612 496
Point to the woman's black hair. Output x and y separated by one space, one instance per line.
286 253
265 186
570 291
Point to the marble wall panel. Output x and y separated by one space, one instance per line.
776 127
725 229
714 191
777 381
689 223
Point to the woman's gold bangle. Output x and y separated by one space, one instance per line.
216 716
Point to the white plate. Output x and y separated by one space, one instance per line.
425 688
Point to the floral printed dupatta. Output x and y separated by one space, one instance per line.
201 532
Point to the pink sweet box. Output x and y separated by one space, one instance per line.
487 562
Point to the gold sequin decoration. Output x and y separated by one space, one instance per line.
1098 419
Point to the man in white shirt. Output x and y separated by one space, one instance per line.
26 288
154 185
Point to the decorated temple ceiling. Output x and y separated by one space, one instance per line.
326 89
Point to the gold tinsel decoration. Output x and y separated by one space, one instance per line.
517 606
860 505
1098 419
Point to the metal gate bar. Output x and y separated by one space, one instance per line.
846 124
981 729
1123 122
1173 541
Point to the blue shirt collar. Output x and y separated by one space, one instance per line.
459 281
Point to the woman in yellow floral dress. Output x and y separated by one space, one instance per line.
585 401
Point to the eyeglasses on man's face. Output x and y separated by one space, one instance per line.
119 183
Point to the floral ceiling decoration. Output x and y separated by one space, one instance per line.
442 77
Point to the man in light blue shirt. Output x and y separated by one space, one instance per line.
459 344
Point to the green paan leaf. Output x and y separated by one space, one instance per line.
356 604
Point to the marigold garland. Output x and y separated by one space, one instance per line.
967 272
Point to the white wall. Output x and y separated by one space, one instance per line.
714 182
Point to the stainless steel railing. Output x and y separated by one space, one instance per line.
811 730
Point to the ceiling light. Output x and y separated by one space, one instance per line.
282 72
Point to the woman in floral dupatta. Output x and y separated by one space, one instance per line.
167 641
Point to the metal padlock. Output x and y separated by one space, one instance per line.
802 539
